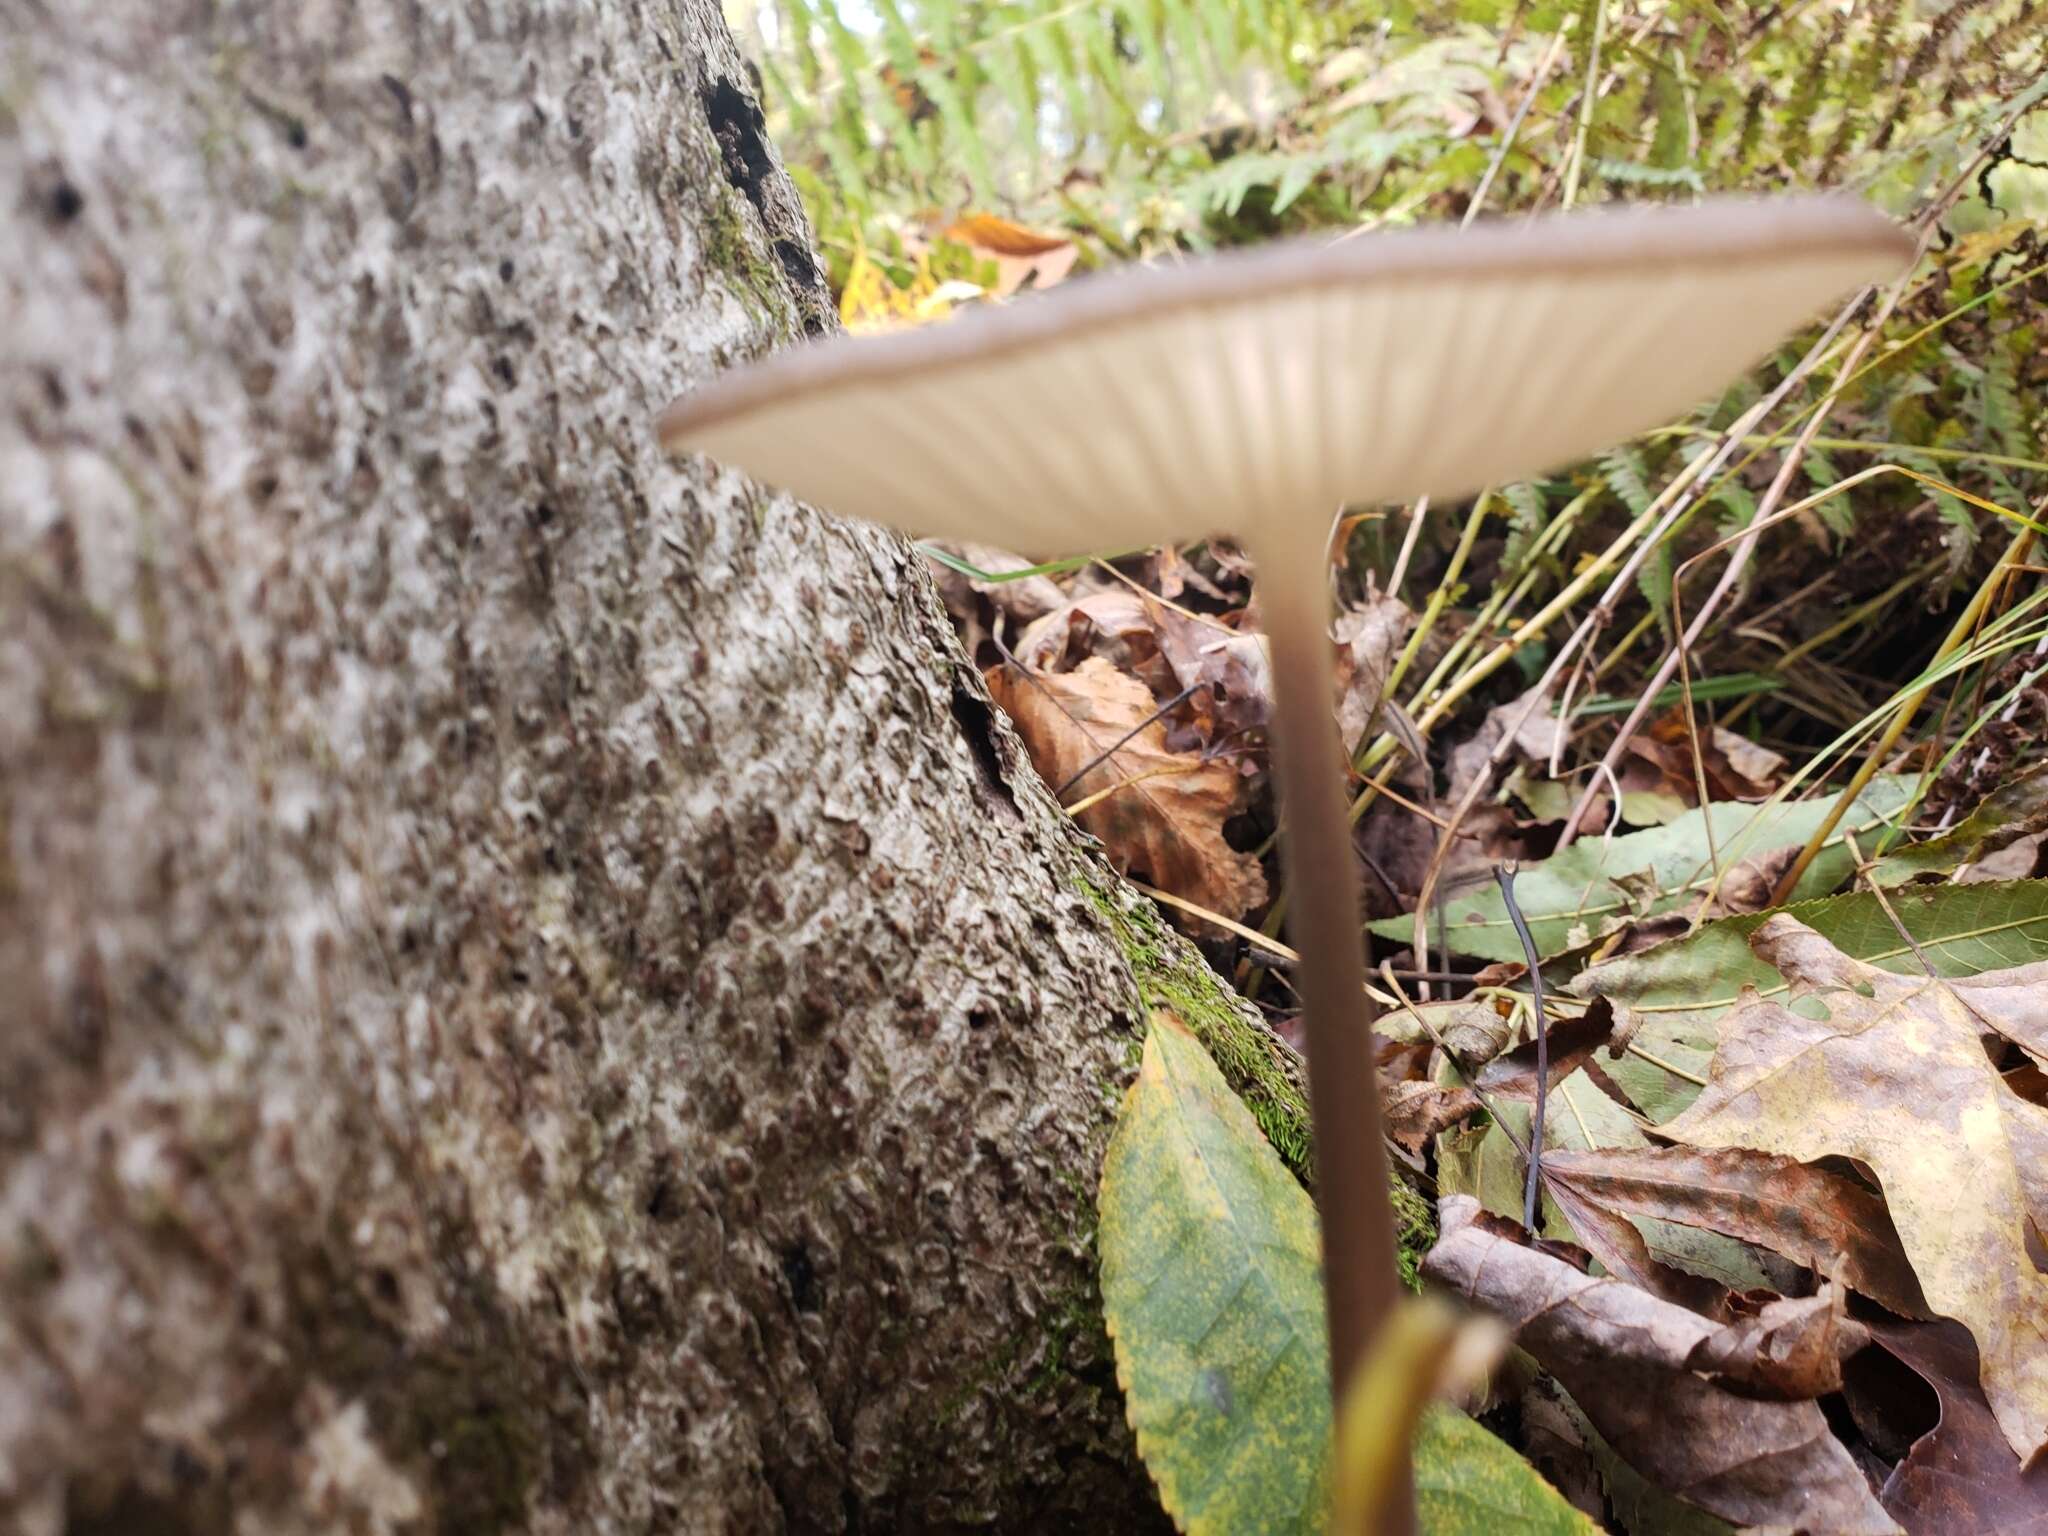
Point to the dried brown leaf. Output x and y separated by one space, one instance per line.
1536 734
1790 1349
1571 1042
1163 820
1894 1073
1812 1215
1735 768
1960 1478
1171 650
1630 1361
1416 1111
1368 639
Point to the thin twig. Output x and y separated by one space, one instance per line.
1507 139
1505 874
1114 747
1415 522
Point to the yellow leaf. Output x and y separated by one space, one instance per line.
1002 238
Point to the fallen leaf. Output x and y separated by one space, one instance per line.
1734 767
1569 1044
1368 640
1816 1217
1416 1111
1790 1350
1673 997
2015 811
1892 1070
1234 667
1020 601
1212 1294
1681 1264
1002 237
1633 1364
1163 814
1111 623
872 302
1171 650
1537 733
2017 860
1558 1442
1960 1478
1474 1029
1640 1506
1023 257
1581 887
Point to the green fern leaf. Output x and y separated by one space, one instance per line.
1528 516
1656 580
1627 478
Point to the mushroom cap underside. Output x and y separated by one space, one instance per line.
1254 392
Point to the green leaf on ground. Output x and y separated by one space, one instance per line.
2018 809
1212 1292
1598 884
1676 993
1578 1117
1468 1483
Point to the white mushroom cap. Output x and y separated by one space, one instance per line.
1142 408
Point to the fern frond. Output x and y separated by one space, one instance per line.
1628 478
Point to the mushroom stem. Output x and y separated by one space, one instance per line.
1360 1280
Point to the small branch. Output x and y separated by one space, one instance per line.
1122 741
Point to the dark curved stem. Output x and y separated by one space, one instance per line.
1360 1279
1531 1190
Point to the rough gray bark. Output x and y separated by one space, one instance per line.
538 994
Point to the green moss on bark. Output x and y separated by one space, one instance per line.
1262 1070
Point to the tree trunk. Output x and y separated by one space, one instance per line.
540 995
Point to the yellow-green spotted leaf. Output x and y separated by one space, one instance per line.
1468 1483
1212 1291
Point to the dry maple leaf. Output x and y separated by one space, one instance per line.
1163 817
1644 1371
1896 1075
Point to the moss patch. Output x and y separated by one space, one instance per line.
729 255
1259 1068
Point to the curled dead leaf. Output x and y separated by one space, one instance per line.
1159 813
1815 1216
1960 1478
1632 1362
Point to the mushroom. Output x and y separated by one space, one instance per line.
1252 394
